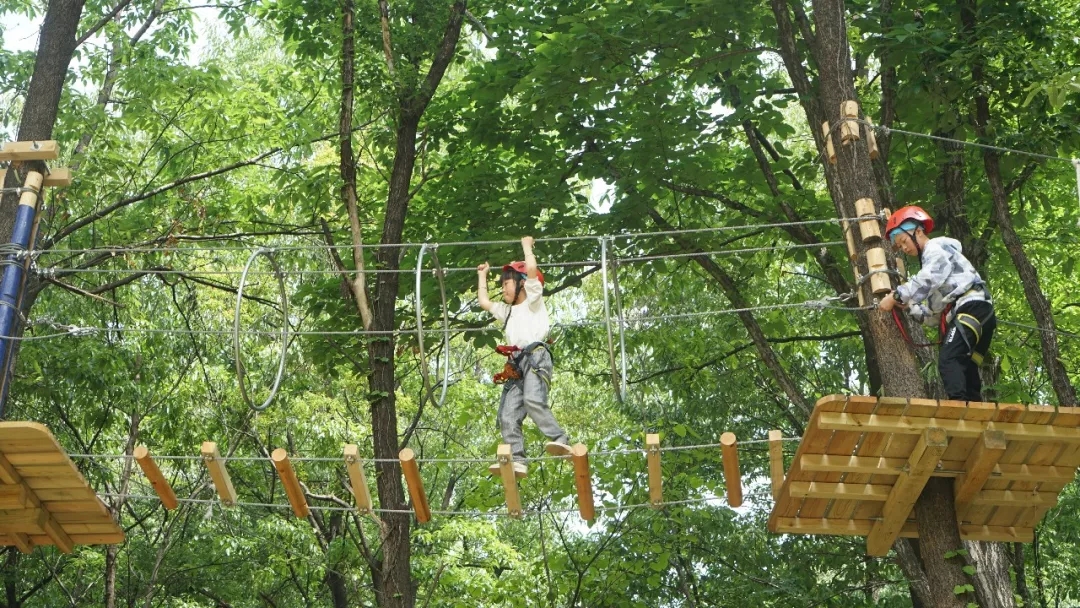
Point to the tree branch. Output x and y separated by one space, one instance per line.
102 22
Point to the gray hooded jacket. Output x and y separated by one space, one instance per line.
946 277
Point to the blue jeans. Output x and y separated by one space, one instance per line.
528 396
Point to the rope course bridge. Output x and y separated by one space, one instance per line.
858 470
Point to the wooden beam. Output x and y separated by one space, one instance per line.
216 465
831 463
504 455
22 542
579 454
23 521
729 452
862 527
656 480
415 484
157 480
29 150
357 481
14 497
980 463
292 485
839 491
912 425
1015 498
837 527
776 462
59 537
58 177
924 458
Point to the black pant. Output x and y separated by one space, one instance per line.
969 334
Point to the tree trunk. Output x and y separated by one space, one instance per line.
937 537
393 582
852 178
55 47
1040 307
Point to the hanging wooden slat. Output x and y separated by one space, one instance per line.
153 475
292 485
880 282
579 454
729 451
216 465
415 484
776 462
656 480
357 481
505 457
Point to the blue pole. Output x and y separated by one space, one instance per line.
14 272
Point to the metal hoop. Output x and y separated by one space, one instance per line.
446 325
420 323
622 324
607 319
269 253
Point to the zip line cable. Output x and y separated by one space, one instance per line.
53 270
1075 162
78 331
585 237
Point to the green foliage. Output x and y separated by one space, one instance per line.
647 104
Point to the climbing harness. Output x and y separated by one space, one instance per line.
512 369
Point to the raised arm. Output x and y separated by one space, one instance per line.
530 259
482 286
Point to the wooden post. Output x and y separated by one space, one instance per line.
981 461
922 462
505 457
880 282
292 485
830 151
579 454
849 129
216 465
871 139
729 452
153 475
357 481
869 224
776 462
415 484
656 480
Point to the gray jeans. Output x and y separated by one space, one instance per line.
528 396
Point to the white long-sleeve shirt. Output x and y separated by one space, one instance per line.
528 320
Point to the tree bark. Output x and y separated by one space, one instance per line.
393 582
1040 307
938 536
55 47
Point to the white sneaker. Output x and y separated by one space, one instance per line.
557 449
520 470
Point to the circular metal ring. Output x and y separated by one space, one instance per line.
269 254
446 326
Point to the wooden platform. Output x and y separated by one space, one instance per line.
44 500
863 462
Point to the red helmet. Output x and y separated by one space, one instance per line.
520 267
909 213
